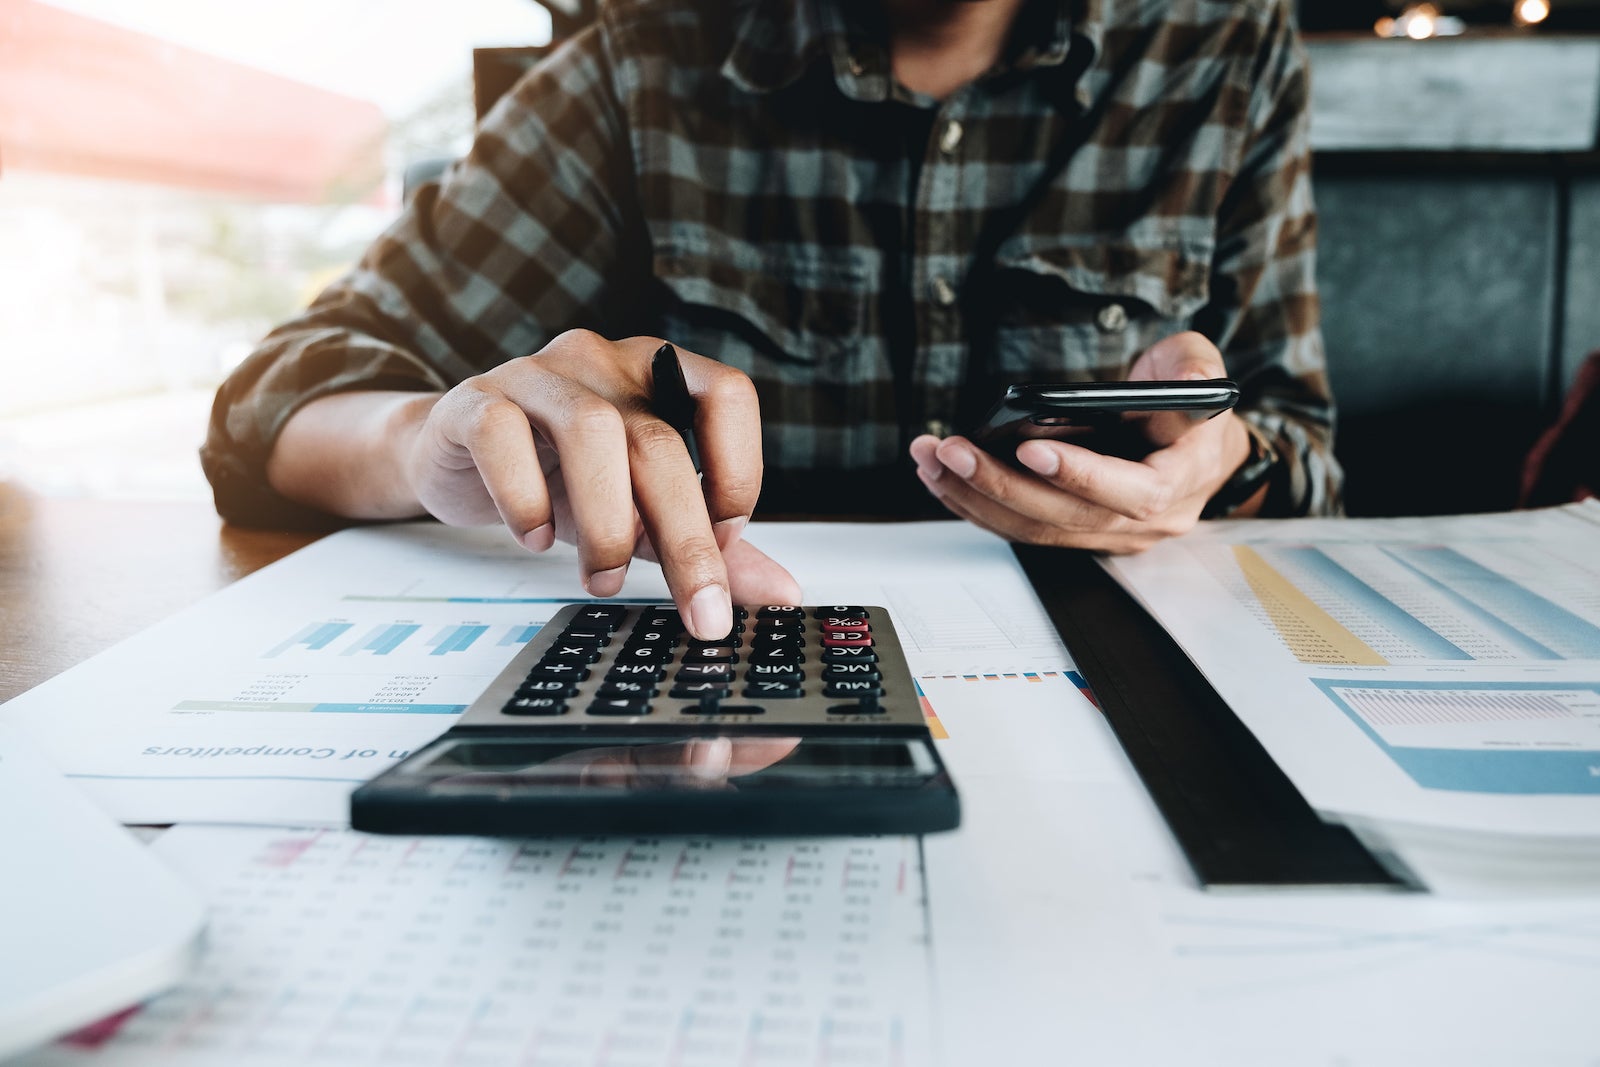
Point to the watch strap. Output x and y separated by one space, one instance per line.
1247 480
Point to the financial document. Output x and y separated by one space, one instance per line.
270 701
1435 672
335 947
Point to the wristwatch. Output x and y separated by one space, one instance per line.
1253 473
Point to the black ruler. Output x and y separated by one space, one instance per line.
1237 817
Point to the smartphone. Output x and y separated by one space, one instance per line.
1127 419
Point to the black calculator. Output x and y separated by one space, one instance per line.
802 720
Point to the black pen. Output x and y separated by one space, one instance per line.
670 399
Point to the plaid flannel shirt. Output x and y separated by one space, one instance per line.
745 179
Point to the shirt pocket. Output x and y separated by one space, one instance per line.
797 315
1082 311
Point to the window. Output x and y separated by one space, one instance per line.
176 177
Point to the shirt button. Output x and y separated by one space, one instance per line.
1113 318
937 427
950 140
856 68
944 294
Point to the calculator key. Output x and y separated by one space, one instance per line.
606 616
626 690
780 626
589 635
724 709
841 672
858 687
535 706
857 623
659 619
841 609
845 639
664 638
627 706
774 672
576 651
636 672
698 653
850 654
558 670
721 673
781 611
765 653
789 655
862 707
773 690
778 637
699 691
656 655
547 688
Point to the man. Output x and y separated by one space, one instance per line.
870 215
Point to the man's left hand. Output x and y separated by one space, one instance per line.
1077 498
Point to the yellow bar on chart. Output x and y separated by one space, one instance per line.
1313 636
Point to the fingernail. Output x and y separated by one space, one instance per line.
539 538
1040 460
609 583
961 460
728 530
711 612
929 480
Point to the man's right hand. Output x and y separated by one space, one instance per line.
562 443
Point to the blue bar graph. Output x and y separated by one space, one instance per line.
519 635
1543 625
1374 604
315 637
384 639
455 639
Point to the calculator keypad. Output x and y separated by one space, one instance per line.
781 662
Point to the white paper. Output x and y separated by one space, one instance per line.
73 883
1068 929
270 701
959 599
1437 672
335 947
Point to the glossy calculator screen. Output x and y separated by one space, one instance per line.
744 763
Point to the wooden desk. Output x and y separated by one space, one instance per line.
77 576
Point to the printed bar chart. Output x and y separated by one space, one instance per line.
315 637
455 639
383 639
1543 628
518 635
1436 604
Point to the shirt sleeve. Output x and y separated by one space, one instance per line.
515 245
1264 313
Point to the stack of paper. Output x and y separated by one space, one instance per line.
1432 683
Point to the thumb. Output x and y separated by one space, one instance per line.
756 578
